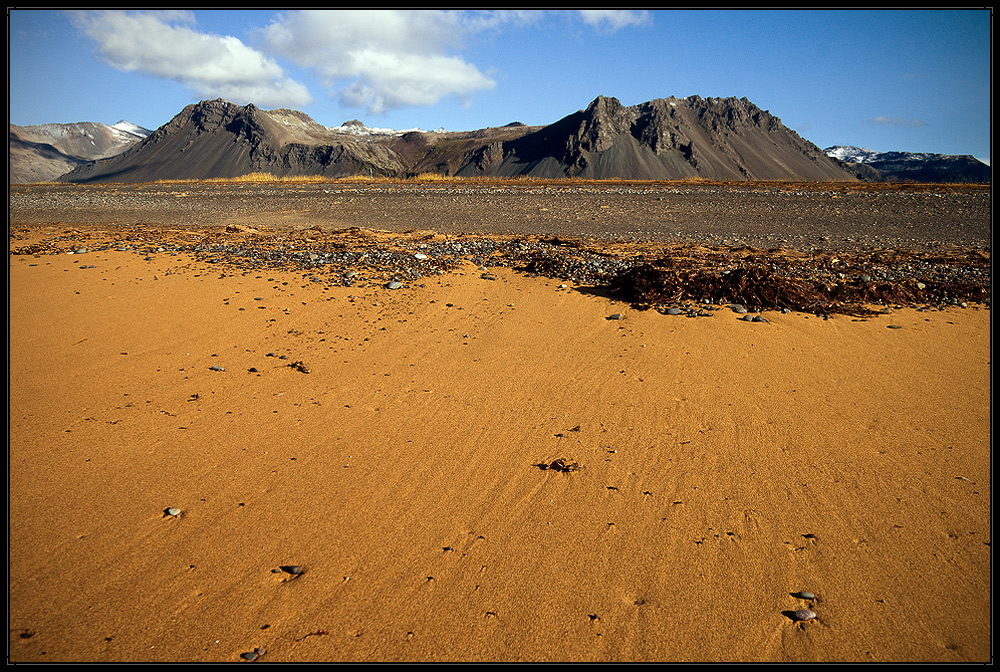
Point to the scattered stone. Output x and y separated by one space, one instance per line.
674 311
804 595
252 655
893 326
759 318
172 511
616 316
559 464
299 366
216 368
294 570
395 284
803 615
738 308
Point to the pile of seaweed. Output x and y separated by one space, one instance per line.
761 288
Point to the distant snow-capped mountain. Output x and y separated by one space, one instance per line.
43 152
355 127
913 166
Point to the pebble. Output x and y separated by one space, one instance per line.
173 511
216 368
674 311
737 308
804 615
395 284
616 316
804 595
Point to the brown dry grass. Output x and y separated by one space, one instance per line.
423 178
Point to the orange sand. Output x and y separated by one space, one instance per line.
726 465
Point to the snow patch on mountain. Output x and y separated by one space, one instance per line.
130 129
851 154
355 127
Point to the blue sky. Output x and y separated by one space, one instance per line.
888 80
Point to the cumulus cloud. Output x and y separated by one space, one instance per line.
163 44
614 19
898 122
386 59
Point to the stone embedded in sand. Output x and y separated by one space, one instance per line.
804 615
804 595
560 464
300 366
172 511
394 285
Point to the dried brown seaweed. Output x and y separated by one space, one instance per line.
760 288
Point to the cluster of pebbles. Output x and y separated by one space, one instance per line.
357 258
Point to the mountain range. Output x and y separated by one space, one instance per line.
913 166
663 139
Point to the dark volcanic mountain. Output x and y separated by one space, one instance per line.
714 138
219 139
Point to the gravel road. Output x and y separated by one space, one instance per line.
795 216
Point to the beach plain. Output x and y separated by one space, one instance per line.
222 458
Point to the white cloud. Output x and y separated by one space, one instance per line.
614 19
163 44
898 122
386 59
